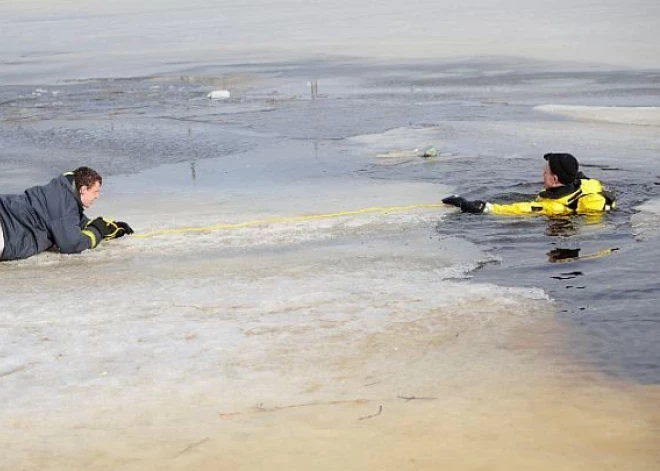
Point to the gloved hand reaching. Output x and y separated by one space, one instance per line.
474 207
127 229
109 229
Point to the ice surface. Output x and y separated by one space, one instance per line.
646 223
45 40
643 116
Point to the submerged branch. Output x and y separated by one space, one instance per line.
380 410
190 447
260 407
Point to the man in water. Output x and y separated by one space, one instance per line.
51 217
567 191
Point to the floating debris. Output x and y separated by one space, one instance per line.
218 95
429 151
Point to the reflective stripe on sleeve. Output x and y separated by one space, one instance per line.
92 237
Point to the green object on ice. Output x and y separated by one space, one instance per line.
430 151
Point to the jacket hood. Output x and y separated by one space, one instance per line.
68 181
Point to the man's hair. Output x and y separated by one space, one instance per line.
85 176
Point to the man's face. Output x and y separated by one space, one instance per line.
550 180
88 194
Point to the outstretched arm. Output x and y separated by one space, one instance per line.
466 206
70 238
108 229
546 207
542 208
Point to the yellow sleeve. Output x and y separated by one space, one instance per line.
593 203
542 207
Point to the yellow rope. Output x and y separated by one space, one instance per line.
274 220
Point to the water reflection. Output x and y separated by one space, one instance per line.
561 227
314 89
566 226
559 255
563 255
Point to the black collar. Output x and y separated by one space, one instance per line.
560 191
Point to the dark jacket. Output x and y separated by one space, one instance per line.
44 217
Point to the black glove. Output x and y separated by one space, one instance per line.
474 207
109 229
127 229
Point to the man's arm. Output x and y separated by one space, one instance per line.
523 208
70 238
545 208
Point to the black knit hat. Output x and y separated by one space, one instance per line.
565 166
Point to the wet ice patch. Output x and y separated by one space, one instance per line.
646 223
406 146
237 305
172 319
217 210
640 116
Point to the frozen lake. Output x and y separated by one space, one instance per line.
294 296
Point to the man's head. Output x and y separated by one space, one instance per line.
88 183
561 169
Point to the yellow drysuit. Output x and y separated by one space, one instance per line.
586 198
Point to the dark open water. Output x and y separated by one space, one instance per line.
610 301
